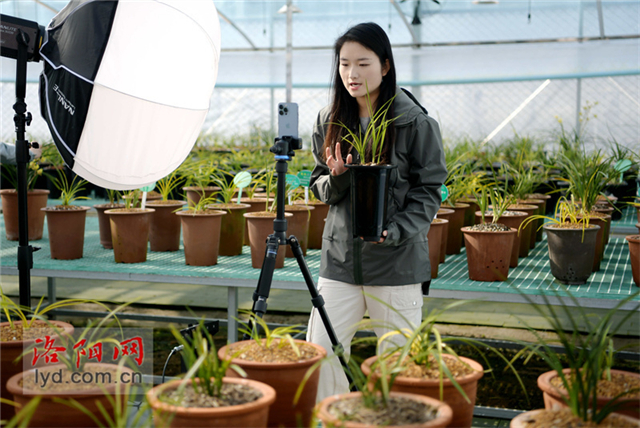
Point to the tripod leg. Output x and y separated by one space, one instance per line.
261 293
318 303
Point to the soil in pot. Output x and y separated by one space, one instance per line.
164 228
563 418
260 226
434 238
571 251
13 342
298 226
201 236
232 228
66 231
104 225
249 406
425 380
489 247
284 370
130 233
634 256
349 411
316 222
445 214
36 200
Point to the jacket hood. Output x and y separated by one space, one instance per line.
405 109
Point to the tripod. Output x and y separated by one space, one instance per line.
283 150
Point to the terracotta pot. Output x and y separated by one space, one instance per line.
543 210
316 223
444 214
511 221
164 229
284 378
553 396
66 232
434 238
608 210
52 414
638 213
634 256
599 254
533 227
36 200
130 234
525 232
488 254
232 228
456 222
462 409
255 205
260 227
201 236
442 419
524 420
104 224
9 352
638 226
571 254
253 414
298 226
194 194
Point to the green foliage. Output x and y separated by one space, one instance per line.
374 136
205 368
68 190
168 184
50 155
256 325
10 173
113 195
224 181
587 174
23 416
132 199
589 356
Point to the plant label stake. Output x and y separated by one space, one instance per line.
305 179
622 166
146 189
444 194
241 180
293 182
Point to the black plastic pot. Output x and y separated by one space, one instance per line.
570 254
369 193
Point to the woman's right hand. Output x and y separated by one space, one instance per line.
335 163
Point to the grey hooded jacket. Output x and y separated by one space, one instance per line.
403 257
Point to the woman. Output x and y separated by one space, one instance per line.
393 268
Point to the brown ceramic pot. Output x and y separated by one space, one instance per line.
66 231
601 222
456 222
488 254
298 226
9 352
442 419
164 229
462 409
104 225
130 233
524 420
50 413
533 226
253 414
444 214
543 209
36 200
316 222
525 232
194 194
434 238
201 236
634 256
232 228
469 213
260 225
553 396
514 220
285 378
607 210
255 205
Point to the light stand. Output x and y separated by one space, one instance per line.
23 46
283 150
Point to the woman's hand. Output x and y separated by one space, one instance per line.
335 163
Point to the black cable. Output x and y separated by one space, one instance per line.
173 351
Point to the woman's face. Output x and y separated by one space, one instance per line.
361 68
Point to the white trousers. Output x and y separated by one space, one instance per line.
346 305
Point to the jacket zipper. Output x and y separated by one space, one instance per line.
357 261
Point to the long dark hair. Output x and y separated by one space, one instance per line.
344 107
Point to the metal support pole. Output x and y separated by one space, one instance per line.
232 314
51 293
600 18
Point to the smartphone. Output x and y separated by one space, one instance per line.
288 120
